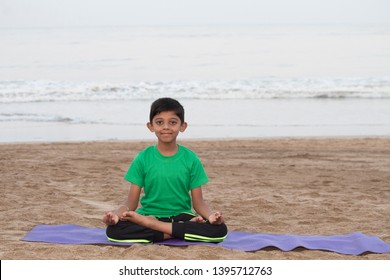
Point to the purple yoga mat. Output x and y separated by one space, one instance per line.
351 244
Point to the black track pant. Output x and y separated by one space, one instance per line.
182 228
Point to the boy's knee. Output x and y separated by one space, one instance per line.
223 230
112 232
219 232
191 231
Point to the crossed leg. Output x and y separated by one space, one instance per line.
134 226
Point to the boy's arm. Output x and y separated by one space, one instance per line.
203 209
132 198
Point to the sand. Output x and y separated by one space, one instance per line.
315 186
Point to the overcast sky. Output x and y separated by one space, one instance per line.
59 13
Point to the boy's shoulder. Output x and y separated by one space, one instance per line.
184 148
187 150
146 151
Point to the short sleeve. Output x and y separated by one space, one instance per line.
198 175
135 174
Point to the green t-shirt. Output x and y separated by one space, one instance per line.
166 181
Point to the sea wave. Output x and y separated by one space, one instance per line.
52 91
6 117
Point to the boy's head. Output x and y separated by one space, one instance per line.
166 104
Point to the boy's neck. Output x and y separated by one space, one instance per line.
167 149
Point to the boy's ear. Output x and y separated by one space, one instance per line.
150 126
183 127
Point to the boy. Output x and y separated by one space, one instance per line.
167 173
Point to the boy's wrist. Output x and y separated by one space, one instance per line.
124 206
121 209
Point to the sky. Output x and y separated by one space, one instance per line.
60 13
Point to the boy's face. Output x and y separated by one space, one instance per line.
166 126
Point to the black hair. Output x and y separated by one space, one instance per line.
166 104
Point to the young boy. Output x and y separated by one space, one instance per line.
167 173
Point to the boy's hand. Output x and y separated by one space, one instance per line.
110 219
216 218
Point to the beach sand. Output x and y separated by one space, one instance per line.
311 186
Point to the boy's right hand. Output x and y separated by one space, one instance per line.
110 219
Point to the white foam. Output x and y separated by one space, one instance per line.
49 91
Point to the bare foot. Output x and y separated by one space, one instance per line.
198 219
149 222
134 217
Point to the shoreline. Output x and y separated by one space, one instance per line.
294 185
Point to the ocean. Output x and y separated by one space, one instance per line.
235 81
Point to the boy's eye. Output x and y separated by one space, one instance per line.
161 122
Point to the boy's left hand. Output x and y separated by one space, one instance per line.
216 218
